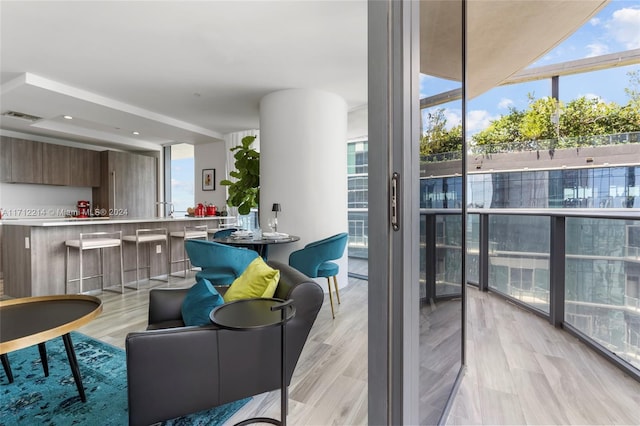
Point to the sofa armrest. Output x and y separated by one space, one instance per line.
165 304
171 372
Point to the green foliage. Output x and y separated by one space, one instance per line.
633 91
244 193
536 121
581 117
437 138
503 130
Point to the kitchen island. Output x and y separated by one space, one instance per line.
33 252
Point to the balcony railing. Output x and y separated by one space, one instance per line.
538 145
577 268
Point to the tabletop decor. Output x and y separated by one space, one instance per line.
273 224
52 400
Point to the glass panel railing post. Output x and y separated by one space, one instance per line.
483 273
557 270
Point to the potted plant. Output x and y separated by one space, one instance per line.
244 193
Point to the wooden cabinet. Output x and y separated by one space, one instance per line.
22 159
84 167
5 159
25 161
128 185
55 168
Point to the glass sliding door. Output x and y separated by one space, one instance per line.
441 161
416 255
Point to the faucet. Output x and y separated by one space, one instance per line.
171 208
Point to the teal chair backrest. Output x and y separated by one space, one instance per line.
224 233
212 256
308 259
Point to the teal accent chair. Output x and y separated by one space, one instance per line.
314 261
221 264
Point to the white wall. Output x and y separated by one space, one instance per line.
30 201
210 156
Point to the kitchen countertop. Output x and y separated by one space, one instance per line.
65 221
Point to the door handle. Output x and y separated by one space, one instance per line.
394 201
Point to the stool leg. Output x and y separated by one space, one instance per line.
121 269
80 259
138 266
101 267
186 261
66 271
168 254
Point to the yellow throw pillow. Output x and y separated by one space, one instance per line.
258 280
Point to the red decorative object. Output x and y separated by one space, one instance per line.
200 211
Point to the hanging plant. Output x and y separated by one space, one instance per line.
244 192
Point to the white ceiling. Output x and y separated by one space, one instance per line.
173 71
192 71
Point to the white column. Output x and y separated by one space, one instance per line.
303 166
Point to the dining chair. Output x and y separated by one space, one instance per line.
221 232
221 264
314 261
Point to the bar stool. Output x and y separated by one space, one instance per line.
189 233
93 241
148 236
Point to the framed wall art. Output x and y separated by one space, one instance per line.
208 179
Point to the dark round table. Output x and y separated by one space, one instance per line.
32 321
251 314
261 245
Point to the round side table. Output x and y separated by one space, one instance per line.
251 314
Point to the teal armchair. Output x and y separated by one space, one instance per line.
314 261
221 264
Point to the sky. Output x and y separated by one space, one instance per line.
615 28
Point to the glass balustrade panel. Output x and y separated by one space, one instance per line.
602 283
519 258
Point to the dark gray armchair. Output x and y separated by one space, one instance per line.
173 370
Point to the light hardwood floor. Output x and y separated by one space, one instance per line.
520 370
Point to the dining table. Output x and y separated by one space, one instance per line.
260 245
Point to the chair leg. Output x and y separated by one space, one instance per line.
333 315
335 284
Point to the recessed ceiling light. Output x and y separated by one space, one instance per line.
68 117
136 133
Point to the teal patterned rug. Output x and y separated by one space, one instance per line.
33 399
